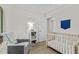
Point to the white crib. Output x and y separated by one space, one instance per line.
64 43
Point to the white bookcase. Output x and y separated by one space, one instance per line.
33 36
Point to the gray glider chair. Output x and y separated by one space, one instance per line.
11 45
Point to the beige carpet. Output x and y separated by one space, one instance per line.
41 48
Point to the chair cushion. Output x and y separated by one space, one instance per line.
23 43
9 38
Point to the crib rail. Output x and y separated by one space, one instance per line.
63 42
55 35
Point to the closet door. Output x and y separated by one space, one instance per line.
50 26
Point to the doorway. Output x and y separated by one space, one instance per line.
50 25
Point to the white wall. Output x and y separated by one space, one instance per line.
67 12
16 17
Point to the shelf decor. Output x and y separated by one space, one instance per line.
65 24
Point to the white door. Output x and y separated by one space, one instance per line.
50 26
42 29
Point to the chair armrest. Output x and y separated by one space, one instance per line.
15 45
19 48
15 49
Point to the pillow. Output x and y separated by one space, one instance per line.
8 36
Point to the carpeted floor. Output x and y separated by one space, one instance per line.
41 48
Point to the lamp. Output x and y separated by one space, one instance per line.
30 25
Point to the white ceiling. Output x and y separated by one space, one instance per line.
39 9
36 8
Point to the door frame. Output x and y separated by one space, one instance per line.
1 19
